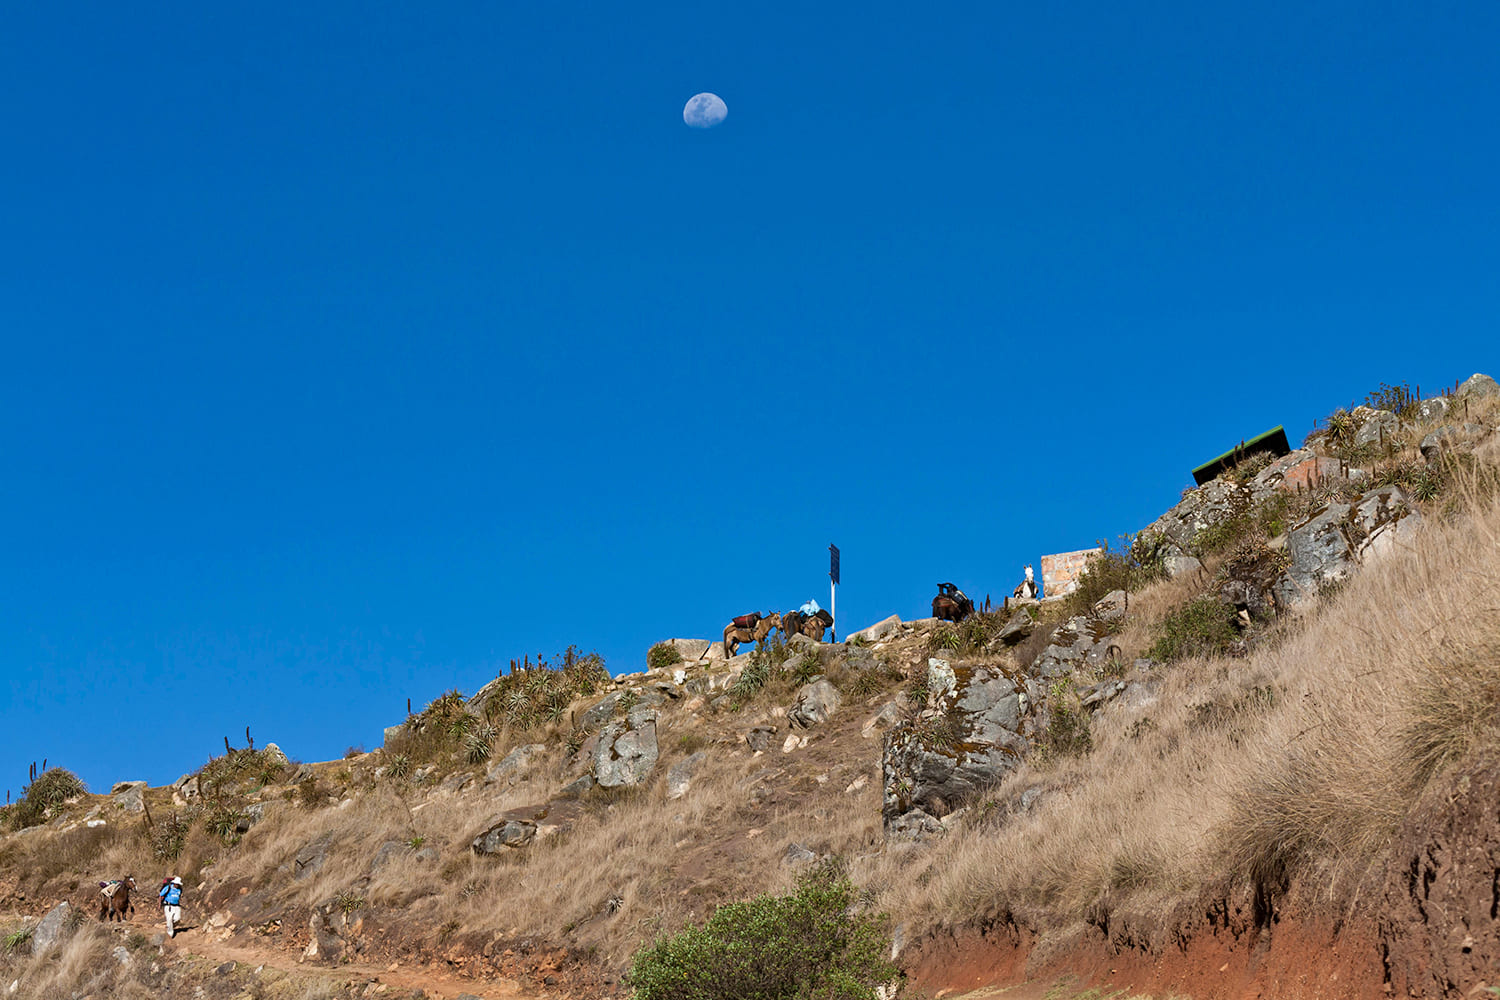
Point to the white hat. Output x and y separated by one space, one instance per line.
176 880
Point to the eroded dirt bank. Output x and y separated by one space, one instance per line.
1425 923
1220 952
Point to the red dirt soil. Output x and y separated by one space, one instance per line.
1428 925
1221 954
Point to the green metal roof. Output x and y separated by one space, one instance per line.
1273 440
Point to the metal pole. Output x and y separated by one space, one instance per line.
833 609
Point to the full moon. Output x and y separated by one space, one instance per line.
704 111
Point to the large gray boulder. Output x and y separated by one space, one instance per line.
1437 442
1268 480
913 825
129 796
1112 606
1326 548
627 750
388 852
49 931
1319 554
1079 642
476 705
311 858
1478 385
1383 520
507 832
1178 565
883 629
601 711
1378 427
1017 628
690 649
816 702
1202 508
967 740
1432 409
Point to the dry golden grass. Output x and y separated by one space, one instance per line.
1302 758
1147 607
1299 759
632 866
81 964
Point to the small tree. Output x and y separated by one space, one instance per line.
815 942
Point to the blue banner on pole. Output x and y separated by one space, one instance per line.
833 563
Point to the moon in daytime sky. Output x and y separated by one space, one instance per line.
704 111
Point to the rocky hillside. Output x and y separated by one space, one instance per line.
1253 754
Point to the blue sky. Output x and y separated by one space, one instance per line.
351 350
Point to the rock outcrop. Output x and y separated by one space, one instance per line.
967 739
50 929
816 703
626 752
1325 547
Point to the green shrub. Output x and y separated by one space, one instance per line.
813 942
50 789
873 680
223 822
972 635
17 940
55 786
1203 627
169 837
1224 534
1399 399
1139 560
662 655
480 742
752 678
944 638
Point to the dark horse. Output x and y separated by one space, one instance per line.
951 604
813 626
116 903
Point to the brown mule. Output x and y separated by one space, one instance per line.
116 904
736 634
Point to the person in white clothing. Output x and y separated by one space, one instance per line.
171 903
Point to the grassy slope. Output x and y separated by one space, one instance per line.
1297 760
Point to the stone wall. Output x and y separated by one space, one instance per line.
1308 473
1060 572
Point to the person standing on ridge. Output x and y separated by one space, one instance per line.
171 903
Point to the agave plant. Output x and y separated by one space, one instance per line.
1341 428
480 742
459 725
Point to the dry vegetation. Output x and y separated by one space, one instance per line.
633 865
1295 758
94 960
1299 759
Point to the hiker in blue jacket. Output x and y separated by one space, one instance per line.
171 903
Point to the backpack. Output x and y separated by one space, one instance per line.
746 621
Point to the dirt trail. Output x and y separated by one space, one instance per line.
198 941
434 982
